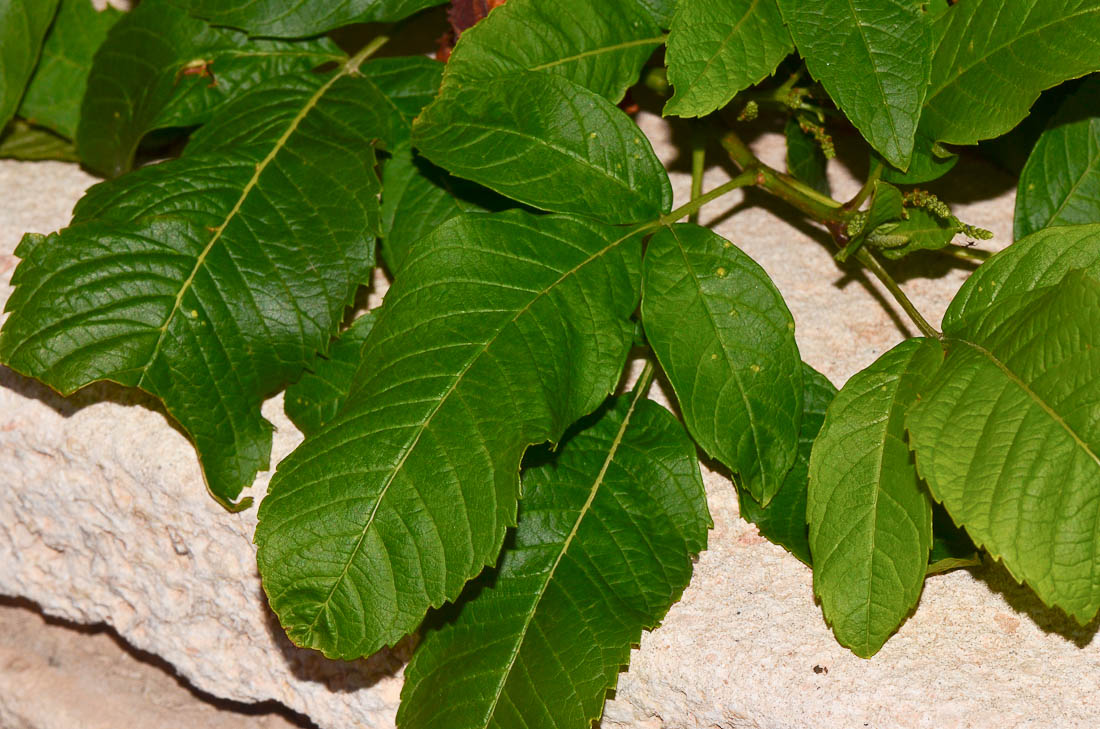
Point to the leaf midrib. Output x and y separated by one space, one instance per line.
656 40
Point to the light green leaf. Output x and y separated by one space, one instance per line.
717 48
783 520
406 495
660 10
23 25
1041 259
886 207
598 44
211 280
725 338
874 58
161 68
417 196
1007 436
993 58
921 231
545 141
870 520
57 87
1060 184
314 400
607 529
24 141
805 160
299 19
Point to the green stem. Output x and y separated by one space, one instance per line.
366 52
645 379
965 253
698 165
865 257
745 178
868 187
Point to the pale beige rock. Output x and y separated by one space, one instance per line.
104 518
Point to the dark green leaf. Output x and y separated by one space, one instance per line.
921 231
23 25
313 401
603 548
545 141
598 44
993 58
805 160
783 521
161 68
57 87
503 330
1060 184
874 58
417 196
298 18
210 281
725 338
929 162
870 519
1007 436
717 48
1041 259
660 10
23 141
952 547
409 82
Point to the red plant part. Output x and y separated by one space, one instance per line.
463 14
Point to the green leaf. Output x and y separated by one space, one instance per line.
952 547
607 529
725 338
57 87
1041 259
24 141
870 520
1007 435
805 160
161 68
1060 184
23 25
717 48
993 58
660 10
921 231
929 162
783 520
418 196
874 58
210 281
503 330
886 207
598 44
409 82
298 19
314 400
545 141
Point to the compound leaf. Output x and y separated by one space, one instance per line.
1041 259
993 58
23 26
783 520
548 142
161 68
1007 436
503 330
874 58
57 87
298 19
1060 184
598 44
870 519
314 400
210 281
725 338
717 48
606 532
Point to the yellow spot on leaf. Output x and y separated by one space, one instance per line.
722 272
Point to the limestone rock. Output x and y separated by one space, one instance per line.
103 518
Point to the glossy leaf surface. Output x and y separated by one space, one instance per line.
607 529
870 519
1007 435
725 338
547 142
211 280
23 26
874 58
502 331
717 48
298 19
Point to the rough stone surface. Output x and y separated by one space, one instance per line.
103 518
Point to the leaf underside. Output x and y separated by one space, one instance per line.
405 496
23 25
